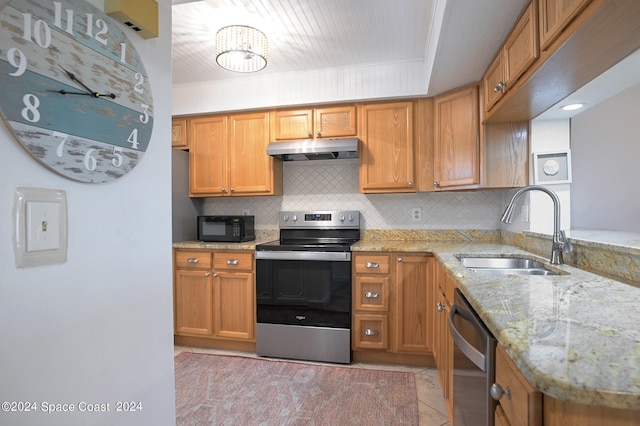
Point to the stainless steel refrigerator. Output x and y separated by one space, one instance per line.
184 209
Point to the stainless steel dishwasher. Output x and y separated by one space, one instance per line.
473 366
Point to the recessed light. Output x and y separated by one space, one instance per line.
572 107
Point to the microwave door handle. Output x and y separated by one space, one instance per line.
474 355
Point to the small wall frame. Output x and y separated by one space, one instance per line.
552 167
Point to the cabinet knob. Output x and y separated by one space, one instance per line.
232 261
436 184
310 134
500 87
372 265
410 184
224 189
207 274
371 295
232 189
193 260
496 391
318 134
399 259
440 306
370 332
216 275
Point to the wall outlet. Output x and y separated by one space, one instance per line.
416 214
246 212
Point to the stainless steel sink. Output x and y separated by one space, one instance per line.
505 265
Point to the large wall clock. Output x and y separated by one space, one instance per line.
73 89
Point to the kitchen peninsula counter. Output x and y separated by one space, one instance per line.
574 336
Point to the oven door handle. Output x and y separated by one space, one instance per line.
304 255
474 355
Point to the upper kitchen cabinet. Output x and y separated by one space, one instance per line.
387 156
228 157
518 53
179 133
315 123
554 17
579 40
457 140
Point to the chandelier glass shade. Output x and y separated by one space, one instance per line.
241 48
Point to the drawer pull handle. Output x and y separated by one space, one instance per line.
370 332
496 391
371 295
232 262
372 265
193 260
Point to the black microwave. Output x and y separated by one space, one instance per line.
228 229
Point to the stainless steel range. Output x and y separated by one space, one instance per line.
303 287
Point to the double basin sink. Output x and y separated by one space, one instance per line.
505 265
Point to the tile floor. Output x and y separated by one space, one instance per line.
431 408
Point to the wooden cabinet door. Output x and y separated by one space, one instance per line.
457 139
251 169
179 133
493 82
386 160
234 303
293 124
335 122
554 17
521 48
193 302
413 313
208 172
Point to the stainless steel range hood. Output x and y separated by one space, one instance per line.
314 149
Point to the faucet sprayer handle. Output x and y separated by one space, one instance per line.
566 244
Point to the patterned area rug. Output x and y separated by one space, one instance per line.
230 390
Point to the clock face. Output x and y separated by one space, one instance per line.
75 92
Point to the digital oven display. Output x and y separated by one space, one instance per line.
317 217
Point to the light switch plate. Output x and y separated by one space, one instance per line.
40 227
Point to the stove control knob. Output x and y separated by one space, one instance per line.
295 218
350 218
285 217
341 218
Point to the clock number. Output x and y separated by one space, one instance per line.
90 161
102 27
144 117
17 60
40 33
57 19
117 156
139 82
30 111
123 53
64 137
133 139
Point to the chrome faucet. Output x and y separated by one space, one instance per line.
560 242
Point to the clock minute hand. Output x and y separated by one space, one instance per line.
72 76
95 95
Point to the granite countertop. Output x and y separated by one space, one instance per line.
574 336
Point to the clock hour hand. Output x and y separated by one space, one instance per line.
72 76
95 95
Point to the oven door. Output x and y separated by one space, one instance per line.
304 288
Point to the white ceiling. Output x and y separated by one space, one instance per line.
456 39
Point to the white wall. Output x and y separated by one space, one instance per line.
606 153
97 328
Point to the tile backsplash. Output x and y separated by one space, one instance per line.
334 185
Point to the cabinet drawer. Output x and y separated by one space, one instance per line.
371 294
372 264
371 331
233 261
193 259
522 404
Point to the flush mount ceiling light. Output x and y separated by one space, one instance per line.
241 48
572 107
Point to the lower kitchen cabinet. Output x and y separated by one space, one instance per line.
214 298
392 304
